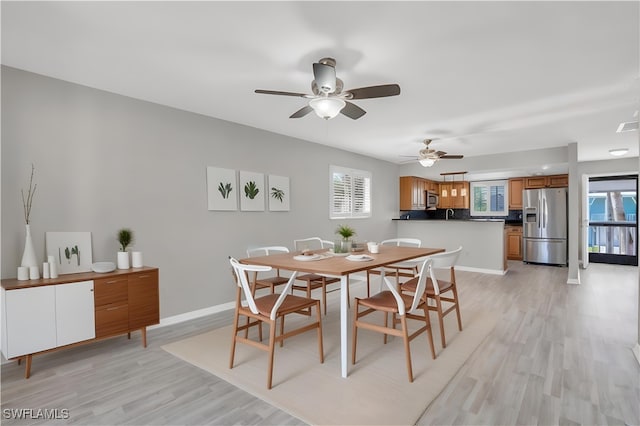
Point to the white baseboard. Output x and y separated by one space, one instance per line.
175 319
193 315
636 352
480 270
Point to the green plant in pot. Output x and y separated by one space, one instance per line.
125 238
344 245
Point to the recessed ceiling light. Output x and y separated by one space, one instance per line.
618 152
545 167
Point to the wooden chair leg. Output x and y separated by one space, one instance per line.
429 333
407 348
440 320
272 348
324 295
233 339
386 325
319 319
455 296
281 330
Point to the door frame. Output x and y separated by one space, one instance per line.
609 258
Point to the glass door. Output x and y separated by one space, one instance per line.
613 220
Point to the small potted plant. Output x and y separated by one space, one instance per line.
344 245
125 238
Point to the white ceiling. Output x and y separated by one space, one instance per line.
482 77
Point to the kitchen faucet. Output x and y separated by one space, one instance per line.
447 214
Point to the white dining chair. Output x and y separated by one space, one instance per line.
401 307
314 281
408 268
270 282
269 309
436 287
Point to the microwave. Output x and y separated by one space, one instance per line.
432 200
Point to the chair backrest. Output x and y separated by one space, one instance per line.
420 288
446 260
266 251
405 242
241 271
328 244
311 243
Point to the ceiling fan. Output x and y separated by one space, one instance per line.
427 157
328 100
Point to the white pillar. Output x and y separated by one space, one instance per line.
573 234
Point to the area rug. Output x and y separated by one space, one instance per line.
377 390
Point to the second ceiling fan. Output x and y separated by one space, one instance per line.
427 157
328 100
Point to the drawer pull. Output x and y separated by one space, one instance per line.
111 282
114 308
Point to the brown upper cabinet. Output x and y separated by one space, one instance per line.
451 201
413 192
516 186
553 181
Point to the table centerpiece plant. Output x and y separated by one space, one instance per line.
344 245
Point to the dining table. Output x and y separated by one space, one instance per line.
334 265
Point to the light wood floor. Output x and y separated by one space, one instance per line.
561 354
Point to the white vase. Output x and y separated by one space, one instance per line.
123 260
29 255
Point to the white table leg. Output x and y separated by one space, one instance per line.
344 323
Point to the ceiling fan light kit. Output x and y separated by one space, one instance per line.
328 100
327 108
427 162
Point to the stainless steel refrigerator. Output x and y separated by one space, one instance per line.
544 226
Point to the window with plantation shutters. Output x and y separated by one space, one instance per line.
350 192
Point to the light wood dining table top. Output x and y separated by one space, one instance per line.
335 265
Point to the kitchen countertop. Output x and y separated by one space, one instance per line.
506 222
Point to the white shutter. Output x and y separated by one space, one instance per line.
350 193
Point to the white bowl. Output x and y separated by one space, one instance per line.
102 267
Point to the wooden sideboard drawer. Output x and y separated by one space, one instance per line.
112 319
108 291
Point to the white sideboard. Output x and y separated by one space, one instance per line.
49 314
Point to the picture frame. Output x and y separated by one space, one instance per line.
71 251
252 191
278 189
222 189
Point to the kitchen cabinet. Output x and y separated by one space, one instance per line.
451 201
514 242
445 200
412 193
552 181
516 186
432 186
50 314
461 198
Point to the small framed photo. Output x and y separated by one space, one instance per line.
278 189
71 251
251 191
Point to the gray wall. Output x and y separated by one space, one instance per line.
105 161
